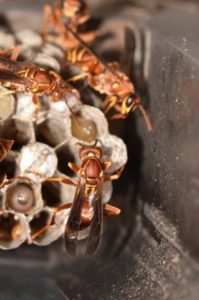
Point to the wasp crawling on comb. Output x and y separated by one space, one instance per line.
87 208
108 79
26 76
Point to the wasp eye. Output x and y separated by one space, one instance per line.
129 101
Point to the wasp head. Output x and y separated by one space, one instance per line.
129 102
90 151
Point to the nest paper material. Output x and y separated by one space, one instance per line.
45 143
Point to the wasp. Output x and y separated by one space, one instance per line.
108 79
5 146
87 208
26 76
72 12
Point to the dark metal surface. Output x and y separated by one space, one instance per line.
149 251
23 286
171 166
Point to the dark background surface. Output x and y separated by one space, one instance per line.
151 251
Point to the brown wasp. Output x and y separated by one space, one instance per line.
106 79
72 12
87 209
5 146
29 77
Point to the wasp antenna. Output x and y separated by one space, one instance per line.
82 145
146 118
97 141
72 112
70 109
76 119
61 144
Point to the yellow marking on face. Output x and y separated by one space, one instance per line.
90 154
73 56
80 54
115 85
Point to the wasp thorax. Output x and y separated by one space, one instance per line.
20 198
83 129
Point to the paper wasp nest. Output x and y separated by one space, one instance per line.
45 143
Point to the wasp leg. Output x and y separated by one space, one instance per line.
4 93
3 152
5 181
74 167
36 103
106 165
110 210
109 103
82 19
118 107
19 177
51 222
118 116
54 179
13 51
62 180
78 77
115 175
88 37
5 146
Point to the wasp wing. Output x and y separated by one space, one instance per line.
128 56
75 224
74 221
14 66
9 76
136 40
96 227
